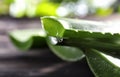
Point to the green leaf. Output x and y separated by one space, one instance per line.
25 39
83 33
101 44
74 28
103 65
66 53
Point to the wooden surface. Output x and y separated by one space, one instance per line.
34 63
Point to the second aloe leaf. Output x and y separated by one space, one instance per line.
103 65
27 39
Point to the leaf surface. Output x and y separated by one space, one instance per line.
74 28
83 33
25 39
103 65
66 53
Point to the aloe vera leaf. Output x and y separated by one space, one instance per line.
25 39
103 65
109 48
90 43
82 33
74 28
66 53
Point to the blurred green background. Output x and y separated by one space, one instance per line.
61 8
